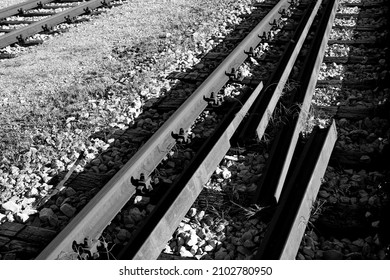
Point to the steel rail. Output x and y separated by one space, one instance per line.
274 175
15 9
99 212
264 106
286 229
39 26
148 242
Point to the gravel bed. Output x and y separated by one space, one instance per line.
63 4
336 96
340 50
348 72
18 18
350 34
7 3
348 10
349 218
218 226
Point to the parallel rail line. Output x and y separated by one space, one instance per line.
146 242
20 35
293 168
151 237
92 220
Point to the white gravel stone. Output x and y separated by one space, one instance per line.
2 216
194 249
193 239
185 253
187 227
208 248
141 200
192 212
226 174
200 215
168 249
11 206
33 191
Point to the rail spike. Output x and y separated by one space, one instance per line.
182 137
233 75
46 28
70 20
87 10
213 101
140 183
82 249
264 37
251 52
275 24
21 39
106 3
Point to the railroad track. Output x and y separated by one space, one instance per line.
242 122
21 21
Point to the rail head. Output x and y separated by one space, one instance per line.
39 26
14 9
